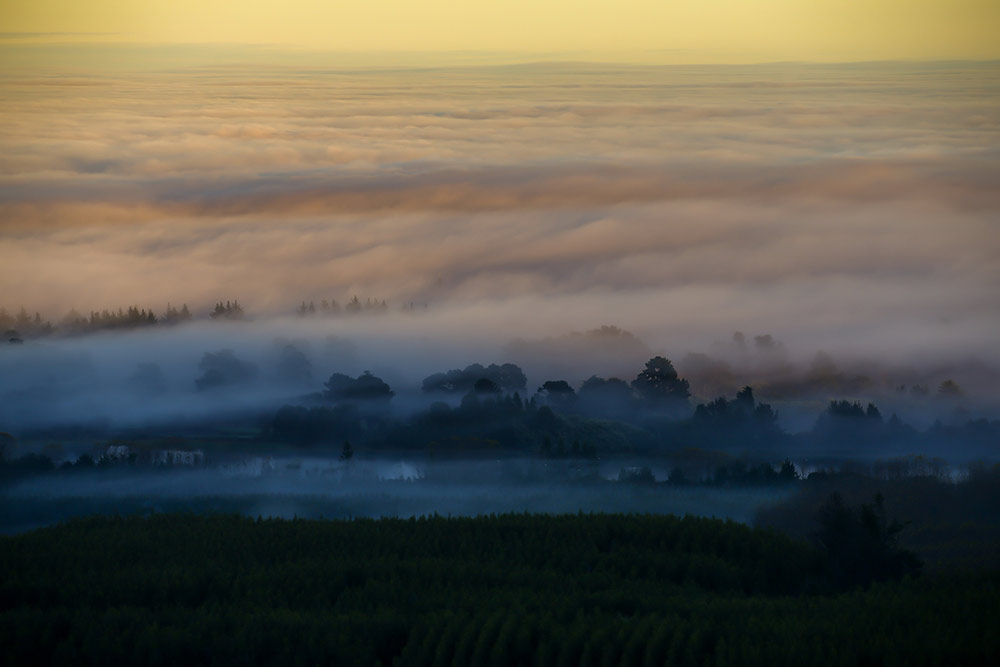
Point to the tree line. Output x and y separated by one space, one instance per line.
23 324
20 325
651 414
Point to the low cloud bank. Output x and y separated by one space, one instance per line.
839 208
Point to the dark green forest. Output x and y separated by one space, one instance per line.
496 590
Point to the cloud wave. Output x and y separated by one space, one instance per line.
859 200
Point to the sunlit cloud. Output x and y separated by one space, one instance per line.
846 203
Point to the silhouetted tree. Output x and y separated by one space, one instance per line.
544 418
846 423
849 422
507 377
174 316
861 544
659 386
741 420
347 453
767 344
223 368
228 311
558 394
611 397
950 389
788 473
292 365
485 386
366 387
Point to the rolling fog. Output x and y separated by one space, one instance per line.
150 377
314 487
850 205
69 396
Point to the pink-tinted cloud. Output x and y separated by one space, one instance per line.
843 202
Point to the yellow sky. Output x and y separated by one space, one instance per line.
655 30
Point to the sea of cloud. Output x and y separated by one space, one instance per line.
853 206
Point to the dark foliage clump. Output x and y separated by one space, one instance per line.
659 386
224 369
742 421
761 474
558 394
847 423
28 465
365 387
298 424
862 545
602 397
506 377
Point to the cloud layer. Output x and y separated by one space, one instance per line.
855 202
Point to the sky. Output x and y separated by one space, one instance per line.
541 167
661 31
